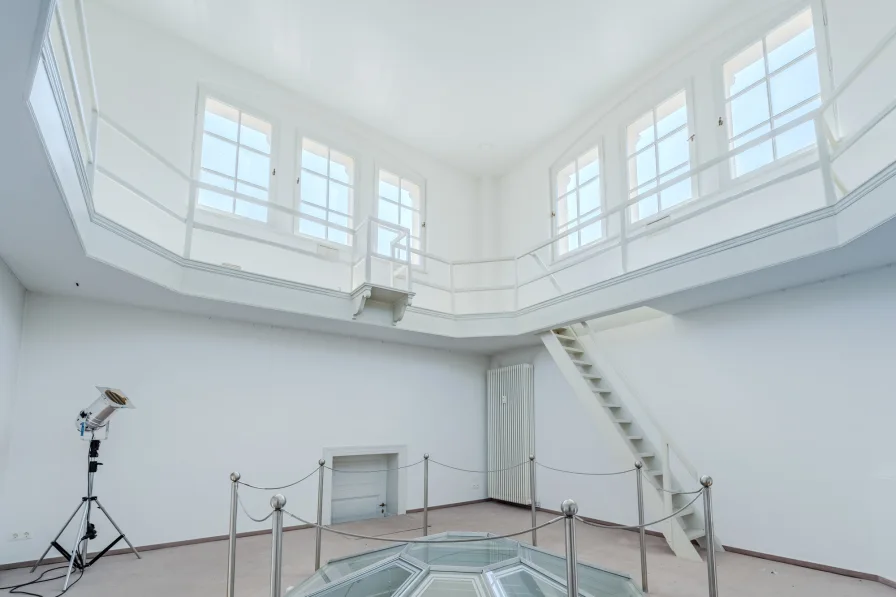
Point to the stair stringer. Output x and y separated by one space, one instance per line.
673 530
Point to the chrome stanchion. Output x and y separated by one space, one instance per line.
231 548
569 509
425 495
320 512
642 533
277 503
532 495
706 481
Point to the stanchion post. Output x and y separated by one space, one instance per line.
231 548
277 503
532 499
569 509
706 481
320 511
426 495
642 533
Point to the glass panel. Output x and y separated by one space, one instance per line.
215 179
754 158
451 587
677 193
254 168
567 210
334 234
314 156
406 218
384 238
591 233
218 155
792 39
410 194
566 179
341 198
255 133
312 228
478 554
313 189
589 197
247 189
640 133
221 119
389 185
800 137
215 200
744 69
644 208
589 166
381 583
671 114
524 583
342 167
674 151
335 570
795 84
313 211
387 211
253 211
748 110
599 583
642 168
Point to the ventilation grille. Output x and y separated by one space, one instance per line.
511 432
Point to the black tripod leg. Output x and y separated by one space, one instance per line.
62 530
120 532
105 549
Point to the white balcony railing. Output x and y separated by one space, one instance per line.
842 159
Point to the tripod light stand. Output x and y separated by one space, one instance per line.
91 420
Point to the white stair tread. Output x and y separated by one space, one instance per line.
574 349
565 337
655 473
634 438
646 454
582 363
591 376
612 405
624 421
602 390
687 511
694 533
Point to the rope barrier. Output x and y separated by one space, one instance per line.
560 470
382 470
427 541
281 487
639 526
466 470
246 512
657 487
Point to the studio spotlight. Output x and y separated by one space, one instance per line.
96 416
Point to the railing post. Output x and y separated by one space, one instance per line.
231 548
277 503
532 498
425 495
642 533
320 512
569 509
706 481
824 161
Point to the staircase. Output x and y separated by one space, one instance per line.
572 350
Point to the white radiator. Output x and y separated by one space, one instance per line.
511 432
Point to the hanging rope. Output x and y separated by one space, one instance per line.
657 487
560 470
280 487
246 512
466 470
382 470
638 526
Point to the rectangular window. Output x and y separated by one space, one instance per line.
235 158
578 201
774 81
400 202
326 192
659 150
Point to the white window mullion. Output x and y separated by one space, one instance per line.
768 94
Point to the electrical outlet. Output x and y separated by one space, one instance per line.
20 536
475 485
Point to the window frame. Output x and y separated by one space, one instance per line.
826 85
410 176
688 88
570 156
297 190
205 93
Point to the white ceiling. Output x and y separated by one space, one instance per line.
442 76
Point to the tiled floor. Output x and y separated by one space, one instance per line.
200 570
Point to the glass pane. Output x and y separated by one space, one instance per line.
589 166
221 119
255 133
253 211
387 211
644 208
335 570
754 158
589 197
313 189
406 219
410 194
477 554
389 185
336 235
524 583
341 198
314 156
384 238
642 168
800 137
254 167
792 39
247 189
567 210
671 114
218 155
674 151
313 211
594 580
215 200
677 193
215 179
744 69
566 179
312 228
795 84
451 587
591 233
640 133
342 168
748 110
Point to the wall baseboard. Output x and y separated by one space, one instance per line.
454 505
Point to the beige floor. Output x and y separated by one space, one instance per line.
199 570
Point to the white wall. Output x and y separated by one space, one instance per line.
12 304
785 399
214 396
